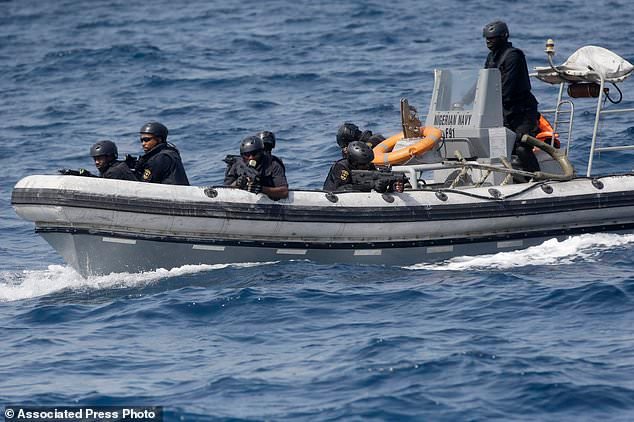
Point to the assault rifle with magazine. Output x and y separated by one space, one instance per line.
248 176
381 180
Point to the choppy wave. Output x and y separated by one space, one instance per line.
586 247
539 334
35 283
583 248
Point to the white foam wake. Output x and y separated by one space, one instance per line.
34 283
584 247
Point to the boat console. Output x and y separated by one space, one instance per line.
466 105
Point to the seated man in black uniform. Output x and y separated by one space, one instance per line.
257 172
268 138
161 162
105 155
359 156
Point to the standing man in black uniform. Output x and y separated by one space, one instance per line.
105 155
518 103
161 162
257 172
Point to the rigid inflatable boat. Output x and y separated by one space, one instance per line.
465 197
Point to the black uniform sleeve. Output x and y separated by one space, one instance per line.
154 169
161 168
337 177
515 79
120 171
231 175
278 174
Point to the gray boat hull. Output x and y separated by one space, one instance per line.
92 254
101 226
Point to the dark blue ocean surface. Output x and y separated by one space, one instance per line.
543 334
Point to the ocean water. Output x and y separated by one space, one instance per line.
542 334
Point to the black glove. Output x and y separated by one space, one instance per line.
86 173
242 182
381 185
139 166
130 161
254 187
230 159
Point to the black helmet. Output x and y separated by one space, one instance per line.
365 136
348 132
251 144
104 147
495 29
375 139
268 138
359 153
155 128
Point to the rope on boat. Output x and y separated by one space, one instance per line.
567 170
492 198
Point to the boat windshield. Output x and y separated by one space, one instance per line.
458 89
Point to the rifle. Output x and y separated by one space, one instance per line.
379 180
80 172
248 176
230 159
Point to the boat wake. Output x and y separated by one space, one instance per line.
586 247
34 283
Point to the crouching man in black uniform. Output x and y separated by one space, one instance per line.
257 172
161 162
359 156
105 155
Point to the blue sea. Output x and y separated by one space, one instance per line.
544 334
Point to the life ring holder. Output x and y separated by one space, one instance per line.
384 153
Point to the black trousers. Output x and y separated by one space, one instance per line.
524 123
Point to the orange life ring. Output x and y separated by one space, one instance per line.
384 154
